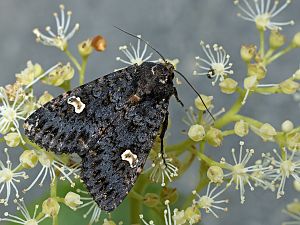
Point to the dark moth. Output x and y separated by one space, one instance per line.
111 123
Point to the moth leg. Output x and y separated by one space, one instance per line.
175 93
162 135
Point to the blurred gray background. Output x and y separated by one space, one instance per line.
175 27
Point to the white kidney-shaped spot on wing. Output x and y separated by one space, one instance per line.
77 103
130 157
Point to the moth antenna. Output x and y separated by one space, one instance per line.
196 93
146 42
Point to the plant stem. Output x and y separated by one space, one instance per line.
262 42
279 54
53 192
82 70
73 59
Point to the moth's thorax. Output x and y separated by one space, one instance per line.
157 80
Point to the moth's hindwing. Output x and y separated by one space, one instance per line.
112 128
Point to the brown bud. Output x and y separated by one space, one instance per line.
99 43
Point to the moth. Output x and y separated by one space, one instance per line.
111 123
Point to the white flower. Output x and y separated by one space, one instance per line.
261 12
208 201
8 178
92 207
136 56
26 219
242 174
216 65
163 169
60 39
50 164
284 167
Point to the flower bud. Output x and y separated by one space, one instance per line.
287 126
46 97
228 85
29 159
293 141
296 75
29 74
85 48
296 40
58 76
250 82
214 137
207 100
294 207
193 214
248 52
99 43
241 128
215 174
196 132
170 194
72 200
50 207
151 200
277 39
29 106
267 132
296 185
257 70
12 139
108 222
289 86
179 217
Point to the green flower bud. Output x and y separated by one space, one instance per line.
46 97
179 217
228 86
241 128
193 214
85 48
287 126
296 40
50 207
294 207
108 222
29 74
267 132
296 75
289 86
215 174
250 82
296 185
277 39
12 139
196 132
214 137
293 141
29 107
99 43
170 194
58 76
72 200
248 52
151 200
29 159
257 70
207 100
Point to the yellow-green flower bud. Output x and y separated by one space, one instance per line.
214 137
29 159
241 128
99 43
192 214
179 217
215 174
50 207
250 82
296 185
228 86
12 139
29 74
277 39
207 100
296 75
72 200
289 86
85 48
293 141
294 207
170 194
257 70
58 76
108 222
196 132
29 107
46 97
248 52
296 40
267 132
151 200
287 126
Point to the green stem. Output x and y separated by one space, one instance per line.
268 90
262 42
82 71
73 59
53 193
66 85
249 120
180 147
228 132
279 54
